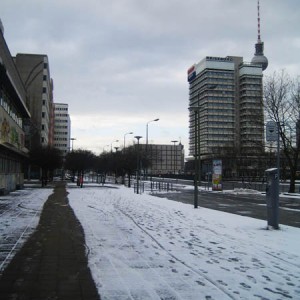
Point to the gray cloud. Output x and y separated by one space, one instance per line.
126 60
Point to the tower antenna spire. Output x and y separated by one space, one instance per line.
258 22
259 57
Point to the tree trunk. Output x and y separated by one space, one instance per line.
129 183
293 180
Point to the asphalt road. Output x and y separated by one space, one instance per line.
251 205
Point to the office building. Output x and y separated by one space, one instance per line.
13 113
227 113
225 110
62 127
35 73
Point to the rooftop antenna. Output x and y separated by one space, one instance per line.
259 57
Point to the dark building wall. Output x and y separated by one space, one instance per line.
13 112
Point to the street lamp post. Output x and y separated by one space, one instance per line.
138 137
196 138
155 120
116 165
124 139
174 149
111 145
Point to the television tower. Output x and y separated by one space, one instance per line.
259 57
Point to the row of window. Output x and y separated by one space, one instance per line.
250 79
211 85
10 109
61 121
219 73
220 96
211 77
61 108
60 139
61 115
58 145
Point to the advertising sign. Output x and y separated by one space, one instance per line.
10 133
191 73
217 175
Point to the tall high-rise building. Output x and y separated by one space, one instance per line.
226 109
62 127
35 73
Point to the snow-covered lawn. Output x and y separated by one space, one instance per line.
145 247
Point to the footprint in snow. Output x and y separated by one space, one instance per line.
245 286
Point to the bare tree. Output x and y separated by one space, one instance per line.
282 104
80 161
47 159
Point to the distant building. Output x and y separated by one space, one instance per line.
62 127
13 113
35 73
225 110
165 159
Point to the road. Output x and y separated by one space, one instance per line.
251 205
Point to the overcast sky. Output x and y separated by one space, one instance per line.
121 63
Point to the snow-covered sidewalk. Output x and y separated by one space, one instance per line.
145 247
19 216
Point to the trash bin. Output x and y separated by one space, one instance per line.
272 197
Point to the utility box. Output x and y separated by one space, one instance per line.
272 197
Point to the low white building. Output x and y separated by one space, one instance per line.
62 127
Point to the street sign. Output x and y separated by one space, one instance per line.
271 131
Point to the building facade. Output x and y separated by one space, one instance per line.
13 114
62 127
35 73
225 110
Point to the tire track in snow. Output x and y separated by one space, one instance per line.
114 266
207 278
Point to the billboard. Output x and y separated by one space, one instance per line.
217 175
10 132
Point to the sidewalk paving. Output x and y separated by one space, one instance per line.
52 264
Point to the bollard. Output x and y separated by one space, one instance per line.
272 197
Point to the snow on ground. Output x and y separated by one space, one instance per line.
145 247
19 216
